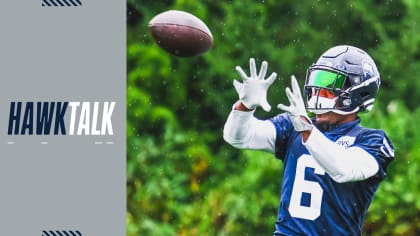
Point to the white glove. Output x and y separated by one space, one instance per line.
297 110
253 91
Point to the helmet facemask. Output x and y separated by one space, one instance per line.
326 90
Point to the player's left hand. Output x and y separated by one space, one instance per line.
296 109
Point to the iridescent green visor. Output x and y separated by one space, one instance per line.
326 79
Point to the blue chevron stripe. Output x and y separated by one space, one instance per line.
61 3
73 2
67 3
61 233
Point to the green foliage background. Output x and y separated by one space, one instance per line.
183 179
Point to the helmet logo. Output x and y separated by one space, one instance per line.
369 72
367 69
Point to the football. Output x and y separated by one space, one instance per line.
181 33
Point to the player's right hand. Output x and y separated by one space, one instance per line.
253 90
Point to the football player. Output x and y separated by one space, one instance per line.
332 165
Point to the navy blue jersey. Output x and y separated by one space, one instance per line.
311 202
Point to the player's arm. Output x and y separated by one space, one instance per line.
342 164
242 129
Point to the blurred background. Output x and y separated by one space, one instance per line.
183 179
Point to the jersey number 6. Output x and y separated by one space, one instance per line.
300 186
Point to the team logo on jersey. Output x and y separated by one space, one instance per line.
345 141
